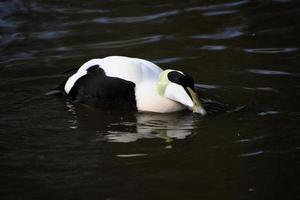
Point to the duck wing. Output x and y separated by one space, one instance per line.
130 69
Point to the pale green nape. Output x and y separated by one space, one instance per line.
163 81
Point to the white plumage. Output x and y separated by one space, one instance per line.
131 69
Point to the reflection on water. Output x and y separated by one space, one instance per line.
243 55
166 127
133 126
73 122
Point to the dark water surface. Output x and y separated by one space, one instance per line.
244 56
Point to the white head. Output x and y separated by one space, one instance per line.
179 87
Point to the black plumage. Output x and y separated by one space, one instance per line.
100 90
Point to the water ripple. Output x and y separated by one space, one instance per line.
260 89
78 10
56 9
6 39
7 24
21 56
167 60
136 19
270 72
218 6
125 43
218 13
131 155
213 47
228 33
49 34
253 139
271 50
7 8
271 112
251 154
206 86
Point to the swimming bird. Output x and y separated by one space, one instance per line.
133 82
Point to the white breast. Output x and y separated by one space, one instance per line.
148 99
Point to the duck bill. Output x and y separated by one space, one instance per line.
177 93
197 107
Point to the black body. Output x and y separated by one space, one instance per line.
97 89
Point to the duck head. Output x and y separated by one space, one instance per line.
179 87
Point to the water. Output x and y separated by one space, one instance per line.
244 56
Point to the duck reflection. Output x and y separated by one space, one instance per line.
164 126
129 126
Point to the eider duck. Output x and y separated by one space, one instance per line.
125 81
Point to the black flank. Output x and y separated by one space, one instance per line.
100 90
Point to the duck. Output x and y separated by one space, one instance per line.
132 82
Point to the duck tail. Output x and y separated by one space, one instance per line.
59 90
53 92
